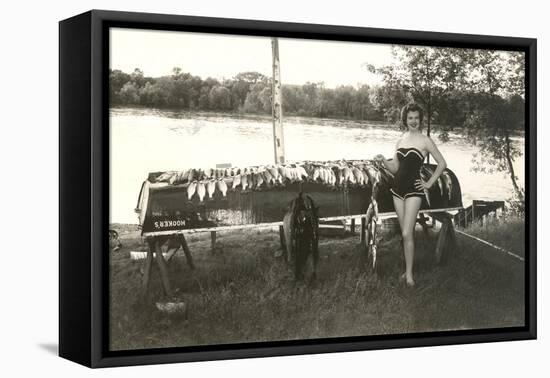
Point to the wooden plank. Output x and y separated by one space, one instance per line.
212 240
162 269
282 238
362 232
452 238
446 242
337 226
187 252
274 224
148 263
440 245
142 255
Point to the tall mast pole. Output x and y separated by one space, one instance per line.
276 103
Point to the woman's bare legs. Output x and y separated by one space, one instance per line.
399 206
411 205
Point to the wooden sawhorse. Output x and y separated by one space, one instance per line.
155 252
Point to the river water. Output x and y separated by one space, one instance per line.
145 140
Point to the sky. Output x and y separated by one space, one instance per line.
220 56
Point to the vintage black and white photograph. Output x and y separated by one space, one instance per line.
268 189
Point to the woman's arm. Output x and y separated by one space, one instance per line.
392 165
441 163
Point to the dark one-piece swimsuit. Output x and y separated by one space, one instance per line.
410 162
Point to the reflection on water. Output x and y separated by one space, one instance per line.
144 140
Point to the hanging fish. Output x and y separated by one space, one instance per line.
209 172
236 181
431 172
335 174
440 185
328 174
269 180
374 175
309 169
176 178
351 176
448 183
165 177
288 173
365 177
341 176
424 177
173 178
324 175
274 173
191 190
258 178
251 180
184 176
211 188
222 187
281 170
244 181
346 173
191 175
297 175
358 176
316 174
201 190
274 179
161 177
331 176
302 172
280 178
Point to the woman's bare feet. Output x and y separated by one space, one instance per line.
408 280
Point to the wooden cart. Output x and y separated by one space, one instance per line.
165 212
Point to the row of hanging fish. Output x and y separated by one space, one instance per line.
335 174
206 182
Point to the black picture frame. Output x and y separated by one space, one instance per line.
84 187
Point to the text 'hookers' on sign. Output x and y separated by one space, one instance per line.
169 224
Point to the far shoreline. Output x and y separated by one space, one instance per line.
310 120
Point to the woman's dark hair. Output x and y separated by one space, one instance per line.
411 107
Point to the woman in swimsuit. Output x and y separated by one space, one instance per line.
408 188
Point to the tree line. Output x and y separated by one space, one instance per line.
247 92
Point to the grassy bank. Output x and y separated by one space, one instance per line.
241 292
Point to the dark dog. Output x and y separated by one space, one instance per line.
301 231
